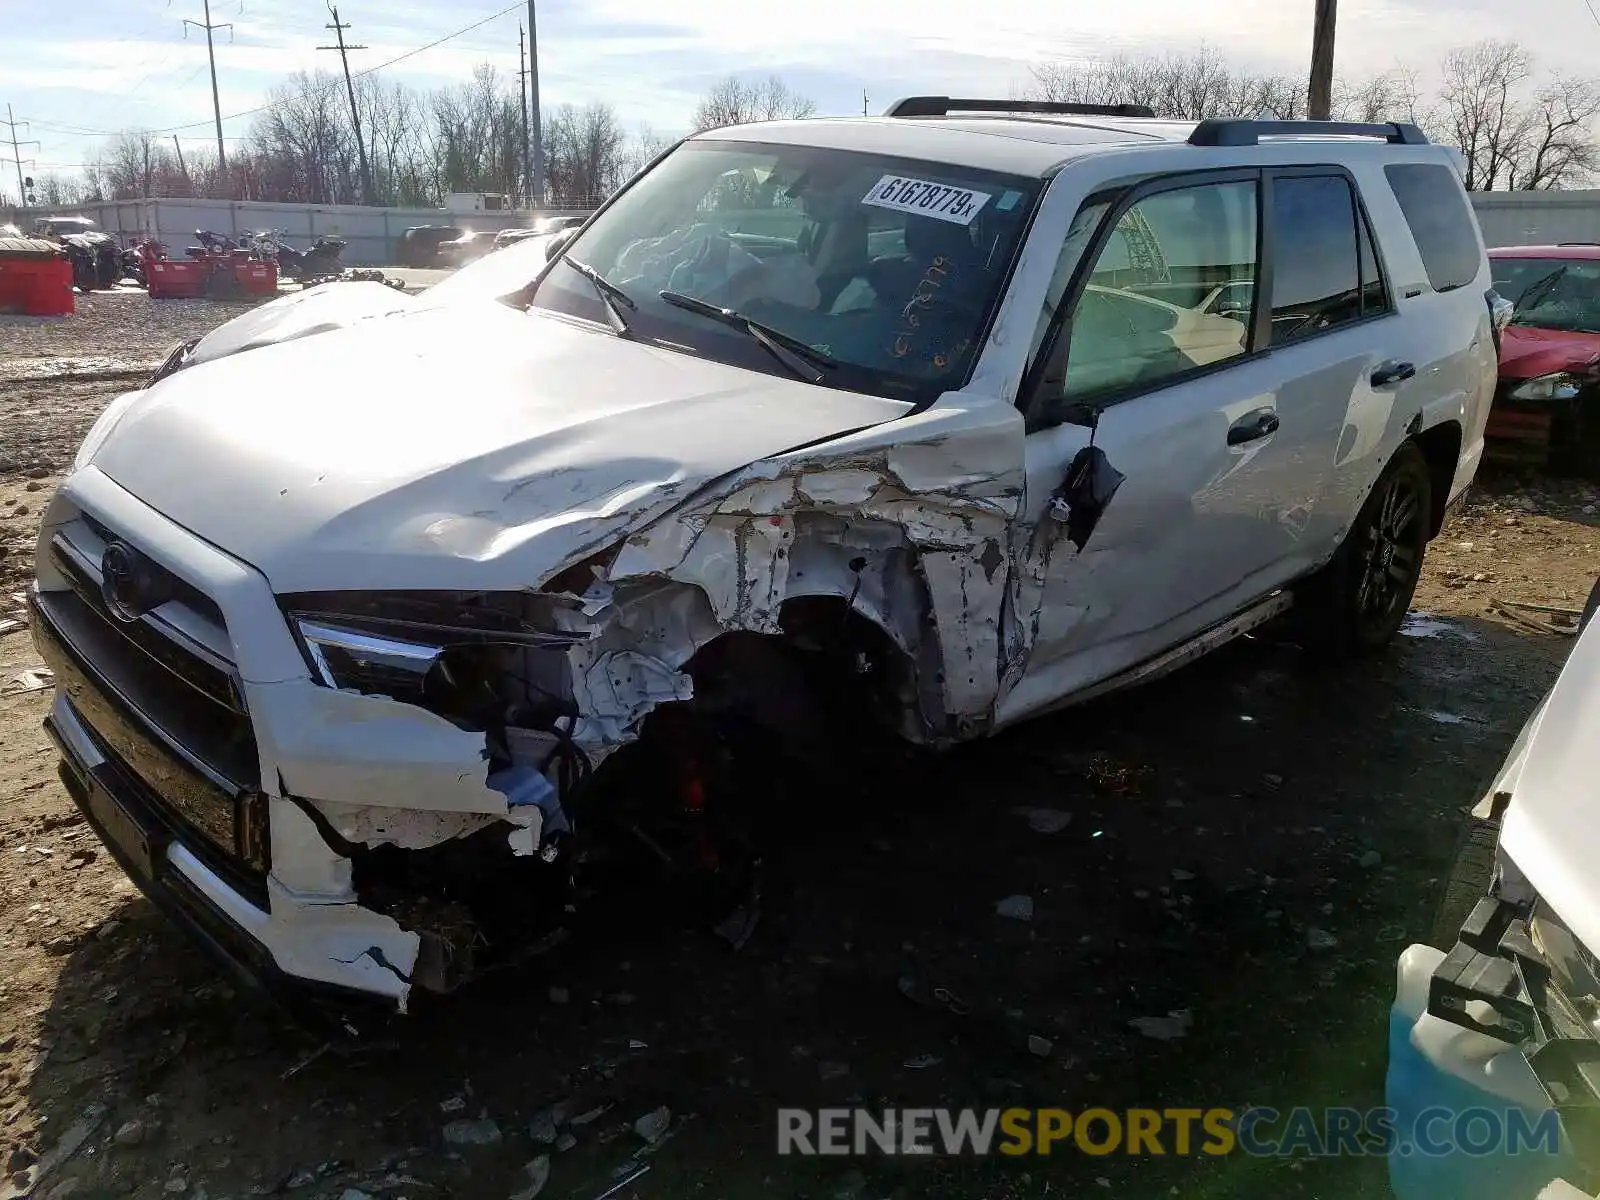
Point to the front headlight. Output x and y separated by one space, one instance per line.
469 658
1560 385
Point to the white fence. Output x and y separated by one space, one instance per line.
1537 218
1507 219
373 234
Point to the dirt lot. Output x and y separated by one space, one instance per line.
1216 820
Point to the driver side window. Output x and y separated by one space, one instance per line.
1172 291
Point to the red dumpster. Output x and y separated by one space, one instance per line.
169 278
35 278
256 276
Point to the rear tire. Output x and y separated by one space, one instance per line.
1357 603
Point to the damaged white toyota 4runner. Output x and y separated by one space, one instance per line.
956 418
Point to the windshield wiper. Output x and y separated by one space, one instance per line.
801 359
1539 289
613 297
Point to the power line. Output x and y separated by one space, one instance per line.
261 108
355 114
1589 4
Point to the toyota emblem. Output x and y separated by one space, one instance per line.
121 582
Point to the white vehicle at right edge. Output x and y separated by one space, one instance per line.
934 421
1502 1028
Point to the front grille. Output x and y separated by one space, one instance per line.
162 696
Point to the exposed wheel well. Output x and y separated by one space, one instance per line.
1441 447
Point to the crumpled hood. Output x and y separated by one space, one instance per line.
1526 353
1552 827
315 310
469 446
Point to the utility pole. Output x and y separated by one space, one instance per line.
522 91
216 100
536 146
863 102
1319 95
178 146
350 89
16 156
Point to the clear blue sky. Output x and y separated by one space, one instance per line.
96 65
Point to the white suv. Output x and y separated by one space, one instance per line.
939 410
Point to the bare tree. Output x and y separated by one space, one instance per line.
585 149
1479 109
1390 96
732 101
1512 131
1559 147
644 146
1190 86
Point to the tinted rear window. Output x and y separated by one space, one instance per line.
1440 221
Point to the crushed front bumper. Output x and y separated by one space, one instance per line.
201 768
149 847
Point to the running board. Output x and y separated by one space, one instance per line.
1179 656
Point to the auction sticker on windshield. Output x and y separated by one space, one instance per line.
926 198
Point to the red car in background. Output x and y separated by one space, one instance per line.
1547 404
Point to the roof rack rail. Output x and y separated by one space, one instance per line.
943 106
1244 132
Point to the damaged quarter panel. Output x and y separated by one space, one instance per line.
907 521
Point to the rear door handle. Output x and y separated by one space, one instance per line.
1252 426
1392 372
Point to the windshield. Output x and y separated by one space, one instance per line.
889 268
1551 293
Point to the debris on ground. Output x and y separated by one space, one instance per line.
1165 1029
1015 908
1542 618
31 679
628 1175
652 1125
467 1132
1044 820
538 1173
545 1125
738 927
1320 939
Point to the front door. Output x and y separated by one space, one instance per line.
1225 451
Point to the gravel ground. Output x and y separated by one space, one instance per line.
1251 840
124 325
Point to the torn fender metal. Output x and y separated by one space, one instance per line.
948 480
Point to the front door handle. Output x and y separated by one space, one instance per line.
1392 372
1252 426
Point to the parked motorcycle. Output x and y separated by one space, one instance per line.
321 260
210 243
136 258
